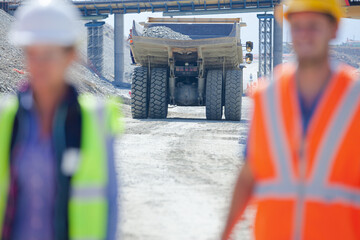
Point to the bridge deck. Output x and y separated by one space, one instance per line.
136 6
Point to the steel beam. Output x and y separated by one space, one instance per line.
118 48
219 11
174 7
94 17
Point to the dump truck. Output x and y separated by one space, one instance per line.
204 70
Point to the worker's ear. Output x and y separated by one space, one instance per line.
71 54
334 29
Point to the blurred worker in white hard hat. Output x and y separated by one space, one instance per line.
303 156
57 175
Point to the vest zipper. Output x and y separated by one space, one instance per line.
300 201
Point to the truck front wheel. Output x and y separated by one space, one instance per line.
158 101
214 83
139 103
233 94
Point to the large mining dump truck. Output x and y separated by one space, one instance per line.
203 69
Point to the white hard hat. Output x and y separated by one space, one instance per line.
52 22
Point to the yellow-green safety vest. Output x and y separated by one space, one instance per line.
88 207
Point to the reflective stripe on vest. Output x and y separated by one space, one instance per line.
8 109
88 193
316 188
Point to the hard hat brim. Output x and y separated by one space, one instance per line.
24 39
315 7
50 22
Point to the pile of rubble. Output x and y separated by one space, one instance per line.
164 32
12 66
10 57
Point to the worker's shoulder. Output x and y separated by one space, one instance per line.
347 71
8 98
8 102
108 110
92 102
281 75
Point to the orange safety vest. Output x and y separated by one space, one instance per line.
307 185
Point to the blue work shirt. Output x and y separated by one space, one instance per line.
307 112
34 164
35 169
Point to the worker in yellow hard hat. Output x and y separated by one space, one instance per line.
329 7
302 160
57 171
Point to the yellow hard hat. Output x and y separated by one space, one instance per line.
331 7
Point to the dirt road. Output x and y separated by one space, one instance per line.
177 175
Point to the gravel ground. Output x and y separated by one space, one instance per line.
164 32
178 174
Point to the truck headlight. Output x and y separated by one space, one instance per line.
249 46
249 58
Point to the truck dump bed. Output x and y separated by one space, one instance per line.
214 40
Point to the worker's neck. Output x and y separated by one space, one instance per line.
47 102
312 77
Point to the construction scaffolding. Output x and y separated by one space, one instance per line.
4 5
265 44
9 6
95 46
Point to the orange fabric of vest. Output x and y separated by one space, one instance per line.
308 185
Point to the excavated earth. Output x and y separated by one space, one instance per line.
85 80
164 32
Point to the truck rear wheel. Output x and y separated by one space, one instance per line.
214 83
158 101
233 94
139 103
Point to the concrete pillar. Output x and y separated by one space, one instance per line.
95 46
119 48
278 35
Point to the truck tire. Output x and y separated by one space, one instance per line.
233 94
214 84
158 101
139 95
